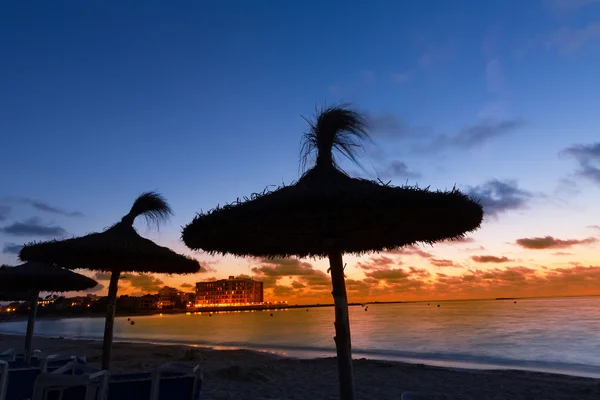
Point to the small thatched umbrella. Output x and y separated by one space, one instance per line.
327 213
33 278
118 249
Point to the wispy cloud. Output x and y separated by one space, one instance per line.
43 206
474 136
588 157
397 169
388 125
442 263
4 212
490 259
401 77
594 227
562 5
144 282
549 242
568 39
498 196
494 76
11 248
34 227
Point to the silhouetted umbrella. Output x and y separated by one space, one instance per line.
118 249
29 279
327 213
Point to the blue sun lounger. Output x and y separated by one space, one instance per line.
52 386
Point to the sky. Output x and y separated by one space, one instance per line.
204 102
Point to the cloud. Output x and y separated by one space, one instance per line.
442 262
102 276
567 40
473 136
594 227
494 76
272 270
42 206
388 125
401 77
490 259
34 227
207 266
412 250
298 285
561 5
147 283
96 288
436 54
390 274
376 263
549 242
588 157
4 212
498 196
397 169
11 248
186 285
562 253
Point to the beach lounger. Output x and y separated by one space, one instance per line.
56 361
131 386
416 396
52 386
16 355
177 380
167 382
3 379
20 383
75 367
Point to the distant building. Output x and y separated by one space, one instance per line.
169 298
147 302
230 291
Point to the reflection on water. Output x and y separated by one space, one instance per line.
561 334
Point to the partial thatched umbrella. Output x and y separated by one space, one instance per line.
327 213
33 278
118 249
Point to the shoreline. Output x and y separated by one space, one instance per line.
446 361
102 314
251 374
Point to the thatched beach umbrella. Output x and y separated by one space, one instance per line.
327 213
118 249
32 278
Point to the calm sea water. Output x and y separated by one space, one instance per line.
555 335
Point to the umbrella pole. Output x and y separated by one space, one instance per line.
110 319
342 326
30 326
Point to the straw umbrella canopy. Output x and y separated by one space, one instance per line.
26 281
118 249
328 213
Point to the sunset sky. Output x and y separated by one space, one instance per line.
203 102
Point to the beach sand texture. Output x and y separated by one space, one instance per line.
244 374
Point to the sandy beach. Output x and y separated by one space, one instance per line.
243 374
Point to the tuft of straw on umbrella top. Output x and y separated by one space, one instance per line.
117 250
328 213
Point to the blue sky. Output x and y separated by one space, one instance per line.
202 101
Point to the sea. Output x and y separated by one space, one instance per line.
559 335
